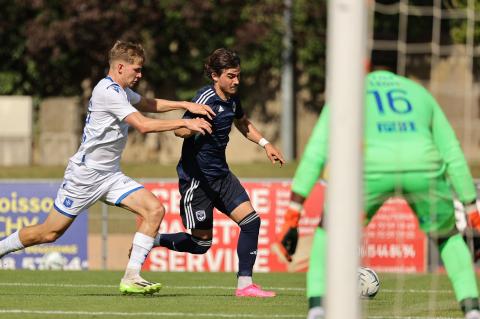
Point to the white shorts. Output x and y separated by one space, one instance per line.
83 186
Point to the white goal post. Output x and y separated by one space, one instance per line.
346 53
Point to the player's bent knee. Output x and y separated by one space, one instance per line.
201 246
158 212
155 214
251 223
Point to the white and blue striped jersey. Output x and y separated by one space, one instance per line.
105 133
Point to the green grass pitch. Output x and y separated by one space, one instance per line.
94 294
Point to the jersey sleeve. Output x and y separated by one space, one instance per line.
314 157
116 103
133 97
196 99
451 152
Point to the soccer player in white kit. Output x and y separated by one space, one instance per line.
93 173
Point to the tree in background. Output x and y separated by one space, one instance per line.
53 48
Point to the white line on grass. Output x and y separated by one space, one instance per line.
181 314
31 284
142 314
418 291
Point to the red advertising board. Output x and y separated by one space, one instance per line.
392 240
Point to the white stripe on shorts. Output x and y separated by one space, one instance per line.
187 203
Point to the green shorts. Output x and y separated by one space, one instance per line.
428 194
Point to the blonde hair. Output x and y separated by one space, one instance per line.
126 51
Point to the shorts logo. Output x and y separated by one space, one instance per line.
200 215
68 202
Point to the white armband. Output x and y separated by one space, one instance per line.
263 142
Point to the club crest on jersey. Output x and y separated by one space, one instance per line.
68 202
200 214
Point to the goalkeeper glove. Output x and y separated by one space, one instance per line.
473 215
288 237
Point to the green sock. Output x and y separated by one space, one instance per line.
458 264
316 279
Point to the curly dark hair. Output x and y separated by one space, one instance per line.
219 60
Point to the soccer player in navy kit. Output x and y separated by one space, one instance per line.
205 180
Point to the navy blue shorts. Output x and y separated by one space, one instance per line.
199 197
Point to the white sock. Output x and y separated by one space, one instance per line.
142 244
244 281
10 244
472 314
316 313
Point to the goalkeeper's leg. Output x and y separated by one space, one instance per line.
433 204
458 264
316 279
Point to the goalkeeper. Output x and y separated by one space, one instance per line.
410 150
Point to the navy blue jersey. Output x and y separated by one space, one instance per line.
204 155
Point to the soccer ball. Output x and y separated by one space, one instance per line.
54 261
368 282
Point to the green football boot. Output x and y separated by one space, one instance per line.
139 286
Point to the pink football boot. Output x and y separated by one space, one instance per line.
254 291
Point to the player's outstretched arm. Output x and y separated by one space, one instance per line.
145 124
161 105
184 133
250 131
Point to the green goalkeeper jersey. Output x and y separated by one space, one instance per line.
405 131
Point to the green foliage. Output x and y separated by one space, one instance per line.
50 47
310 34
458 31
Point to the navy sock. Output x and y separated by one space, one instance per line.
248 243
183 242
